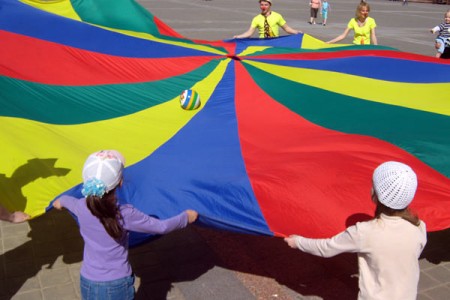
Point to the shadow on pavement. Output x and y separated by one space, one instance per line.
177 257
262 265
53 240
271 257
437 249
328 278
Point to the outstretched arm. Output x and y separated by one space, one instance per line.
15 217
434 29
192 215
340 37
346 241
136 220
57 204
289 30
246 34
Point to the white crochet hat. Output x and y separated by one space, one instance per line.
395 184
106 166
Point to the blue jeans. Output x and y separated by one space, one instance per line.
442 47
119 289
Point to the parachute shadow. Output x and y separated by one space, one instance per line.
180 256
437 249
195 258
197 254
53 242
277 265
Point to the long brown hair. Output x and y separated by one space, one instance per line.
105 208
405 213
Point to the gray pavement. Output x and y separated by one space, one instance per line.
41 259
403 27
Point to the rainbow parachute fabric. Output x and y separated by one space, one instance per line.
285 141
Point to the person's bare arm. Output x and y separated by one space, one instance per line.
373 37
192 215
57 204
290 30
246 34
340 37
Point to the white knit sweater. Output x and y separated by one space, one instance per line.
388 251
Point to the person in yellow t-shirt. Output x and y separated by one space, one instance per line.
267 22
363 27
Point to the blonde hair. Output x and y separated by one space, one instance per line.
361 5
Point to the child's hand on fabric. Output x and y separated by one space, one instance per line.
57 204
18 217
291 241
192 215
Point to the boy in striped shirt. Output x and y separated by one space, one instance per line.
443 38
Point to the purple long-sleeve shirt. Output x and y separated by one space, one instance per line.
105 259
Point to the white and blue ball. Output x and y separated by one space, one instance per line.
190 100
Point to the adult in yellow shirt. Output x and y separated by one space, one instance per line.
267 22
363 27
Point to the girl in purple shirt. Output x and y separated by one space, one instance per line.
104 225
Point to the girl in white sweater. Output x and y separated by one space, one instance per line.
388 246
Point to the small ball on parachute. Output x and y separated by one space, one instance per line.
190 100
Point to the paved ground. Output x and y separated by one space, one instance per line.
41 259
403 27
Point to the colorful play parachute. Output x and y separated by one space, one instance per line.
286 139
